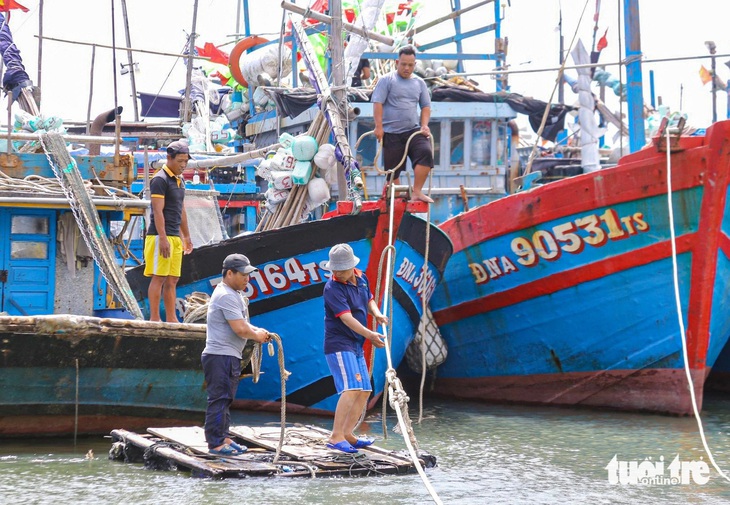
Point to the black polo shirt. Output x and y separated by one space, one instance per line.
165 184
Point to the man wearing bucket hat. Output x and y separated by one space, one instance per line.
168 237
228 328
347 302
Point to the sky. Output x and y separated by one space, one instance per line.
669 28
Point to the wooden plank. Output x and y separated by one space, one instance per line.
384 453
308 443
193 437
300 442
178 457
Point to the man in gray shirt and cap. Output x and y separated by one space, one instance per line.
228 328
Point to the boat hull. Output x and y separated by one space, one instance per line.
285 297
565 295
73 374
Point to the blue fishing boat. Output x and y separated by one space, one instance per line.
286 293
564 294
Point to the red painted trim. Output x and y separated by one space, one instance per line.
238 204
379 243
716 164
563 280
725 247
662 390
629 181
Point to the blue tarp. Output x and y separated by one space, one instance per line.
15 73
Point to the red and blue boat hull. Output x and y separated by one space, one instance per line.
565 295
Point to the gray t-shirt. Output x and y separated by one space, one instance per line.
399 98
225 305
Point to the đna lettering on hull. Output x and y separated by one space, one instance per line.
565 295
285 295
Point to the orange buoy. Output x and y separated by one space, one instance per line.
238 50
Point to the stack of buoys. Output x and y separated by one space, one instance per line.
326 162
290 165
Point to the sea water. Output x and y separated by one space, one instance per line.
486 454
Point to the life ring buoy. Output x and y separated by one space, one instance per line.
235 56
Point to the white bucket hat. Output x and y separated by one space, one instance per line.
341 258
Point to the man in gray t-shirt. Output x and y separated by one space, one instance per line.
228 328
396 99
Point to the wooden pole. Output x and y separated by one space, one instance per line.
337 50
91 90
117 127
40 41
130 61
187 109
453 15
322 18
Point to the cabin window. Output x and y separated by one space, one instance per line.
457 143
29 225
26 250
481 143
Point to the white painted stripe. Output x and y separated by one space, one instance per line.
343 371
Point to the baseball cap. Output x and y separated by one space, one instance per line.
238 262
177 147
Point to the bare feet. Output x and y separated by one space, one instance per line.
419 195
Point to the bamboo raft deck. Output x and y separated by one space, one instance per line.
303 453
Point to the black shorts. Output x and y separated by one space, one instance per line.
419 150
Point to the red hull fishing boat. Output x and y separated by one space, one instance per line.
565 294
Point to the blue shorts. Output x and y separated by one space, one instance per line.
350 372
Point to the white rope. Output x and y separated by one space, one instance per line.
679 311
417 464
396 395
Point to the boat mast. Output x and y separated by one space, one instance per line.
634 90
130 61
187 108
338 77
40 42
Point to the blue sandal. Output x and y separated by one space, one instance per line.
241 449
343 446
363 442
226 450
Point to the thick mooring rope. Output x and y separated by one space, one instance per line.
399 399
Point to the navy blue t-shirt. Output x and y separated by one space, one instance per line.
339 298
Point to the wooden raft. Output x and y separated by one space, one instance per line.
303 454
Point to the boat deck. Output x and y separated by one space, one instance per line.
303 453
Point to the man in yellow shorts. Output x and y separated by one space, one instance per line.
167 236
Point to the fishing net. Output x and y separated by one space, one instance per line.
436 350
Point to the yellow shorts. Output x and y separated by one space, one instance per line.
155 264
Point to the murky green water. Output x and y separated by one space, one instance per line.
486 454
